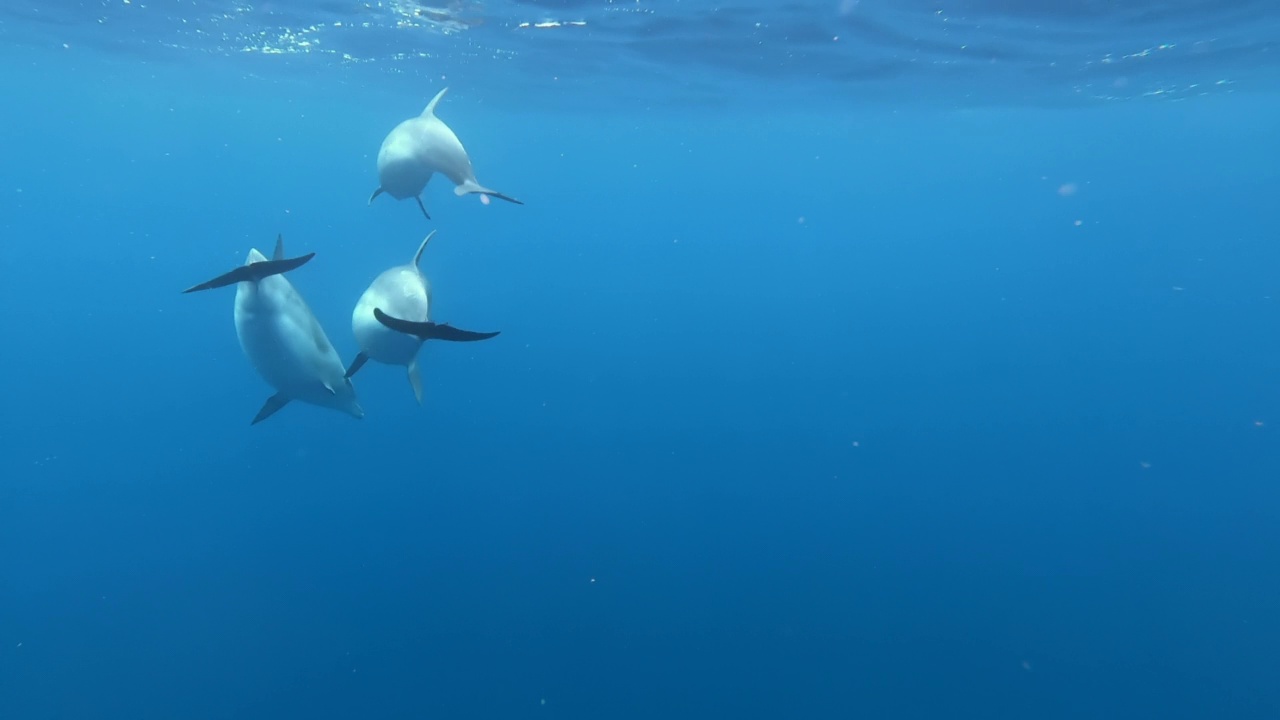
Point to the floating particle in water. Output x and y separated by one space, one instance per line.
1068 189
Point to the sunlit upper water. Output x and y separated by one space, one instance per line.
960 52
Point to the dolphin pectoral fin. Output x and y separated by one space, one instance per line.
430 330
253 272
500 196
445 331
356 364
270 407
404 326
375 194
470 187
240 274
415 380
423 207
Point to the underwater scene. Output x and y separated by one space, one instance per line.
640 359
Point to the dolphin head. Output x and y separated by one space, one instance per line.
344 398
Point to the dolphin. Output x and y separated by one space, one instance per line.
420 147
282 338
406 293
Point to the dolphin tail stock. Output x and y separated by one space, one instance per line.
430 330
356 364
253 272
270 407
415 380
421 206
471 187
375 194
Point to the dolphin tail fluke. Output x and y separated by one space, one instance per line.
270 407
430 330
422 207
356 364
253 272
415 380
375 194
471 187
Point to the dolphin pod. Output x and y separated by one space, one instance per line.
285 342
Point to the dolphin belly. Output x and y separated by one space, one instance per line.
270 345
382 345
281 345
403 179
400 288
401 172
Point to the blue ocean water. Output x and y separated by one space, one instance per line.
857 359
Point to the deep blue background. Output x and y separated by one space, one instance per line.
844 413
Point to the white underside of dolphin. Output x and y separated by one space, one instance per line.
282 338
400 294
420 147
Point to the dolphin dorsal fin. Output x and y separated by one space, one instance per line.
431 106
417 257
279 253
